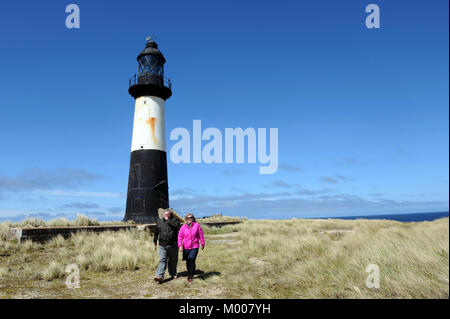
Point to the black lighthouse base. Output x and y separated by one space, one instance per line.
147 186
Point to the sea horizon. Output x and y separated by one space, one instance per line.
402 217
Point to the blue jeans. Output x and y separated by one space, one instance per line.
168 255
190 255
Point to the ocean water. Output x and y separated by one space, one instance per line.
417 217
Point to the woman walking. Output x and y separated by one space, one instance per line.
188 242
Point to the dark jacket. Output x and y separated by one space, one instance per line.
167 232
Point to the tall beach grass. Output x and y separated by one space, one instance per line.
296 258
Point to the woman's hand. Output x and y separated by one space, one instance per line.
203 247
181 249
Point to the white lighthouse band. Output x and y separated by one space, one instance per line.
149 125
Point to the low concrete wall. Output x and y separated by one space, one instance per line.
219 224
40 234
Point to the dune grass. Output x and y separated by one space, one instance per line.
213 230
256 259
220 218
81 220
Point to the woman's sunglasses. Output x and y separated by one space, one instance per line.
189 217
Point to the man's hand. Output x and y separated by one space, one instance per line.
155 246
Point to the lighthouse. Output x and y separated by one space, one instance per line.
148 187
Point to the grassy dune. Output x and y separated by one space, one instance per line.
256 259
81 220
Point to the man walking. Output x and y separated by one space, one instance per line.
167 232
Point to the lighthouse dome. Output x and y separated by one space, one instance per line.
151 48
149 79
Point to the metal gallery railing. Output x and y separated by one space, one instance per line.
151 79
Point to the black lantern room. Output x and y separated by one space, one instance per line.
150 79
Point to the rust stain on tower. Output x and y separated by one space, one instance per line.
151 121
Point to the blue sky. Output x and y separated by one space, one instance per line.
362 114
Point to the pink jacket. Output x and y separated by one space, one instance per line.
188 236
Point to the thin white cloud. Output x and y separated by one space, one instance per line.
402 152
290 168
36 178
278 183
66 193
81 205
233 172
328 179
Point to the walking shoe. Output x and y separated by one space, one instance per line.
159 279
